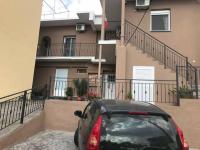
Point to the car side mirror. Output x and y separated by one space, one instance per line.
78 113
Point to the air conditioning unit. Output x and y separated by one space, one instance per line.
142 4
80 27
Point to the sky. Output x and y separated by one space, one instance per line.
71 8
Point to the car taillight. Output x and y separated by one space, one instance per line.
184 145
94 137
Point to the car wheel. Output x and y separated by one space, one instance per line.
76 138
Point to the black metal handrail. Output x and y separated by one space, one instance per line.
16 106
161 91
198 74
113 30
149 36
68 50
187 85
112 35
159 50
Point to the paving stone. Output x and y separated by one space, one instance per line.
48 140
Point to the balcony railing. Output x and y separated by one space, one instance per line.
112 35
71 50
160 91
113 30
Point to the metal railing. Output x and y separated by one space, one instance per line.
112 35
71 50
17 106
113 30
59 86
187 85
161 91
157 49
198 74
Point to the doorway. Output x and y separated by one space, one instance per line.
143 83
60 84
45 46
109 86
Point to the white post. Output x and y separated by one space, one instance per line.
100 48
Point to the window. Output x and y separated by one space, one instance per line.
140 2
81 70
147 132
160 20
87 110
93 79
69 46
45 46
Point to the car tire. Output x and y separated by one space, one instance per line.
76 138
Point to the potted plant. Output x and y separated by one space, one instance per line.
81 86
69 93
185 92
91 95
129 96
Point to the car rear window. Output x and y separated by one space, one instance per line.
129 132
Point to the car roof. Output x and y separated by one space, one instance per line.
129 106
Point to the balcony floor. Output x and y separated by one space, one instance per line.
48 140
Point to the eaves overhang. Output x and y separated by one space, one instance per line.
87 18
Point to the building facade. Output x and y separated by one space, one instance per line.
18 34
168 32
145 48
67 53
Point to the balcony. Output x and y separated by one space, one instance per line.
62 51
112 35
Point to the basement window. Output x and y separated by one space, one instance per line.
160 20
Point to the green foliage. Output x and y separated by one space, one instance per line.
81 86
185 92
69 91
129 95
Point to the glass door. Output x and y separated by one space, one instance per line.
60 84
109 86
69 46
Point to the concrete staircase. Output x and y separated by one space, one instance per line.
159 51
137 57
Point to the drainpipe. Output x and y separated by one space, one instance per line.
100 47
122 21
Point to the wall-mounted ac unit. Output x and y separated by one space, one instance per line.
80 27
142 4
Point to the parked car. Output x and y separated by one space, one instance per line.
125 125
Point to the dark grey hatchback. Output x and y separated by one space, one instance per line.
122 125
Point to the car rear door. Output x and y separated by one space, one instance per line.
128 132
86 123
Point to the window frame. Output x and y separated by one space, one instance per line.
158 13
72 48
86 110
82 69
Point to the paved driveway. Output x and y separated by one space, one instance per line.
48 140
